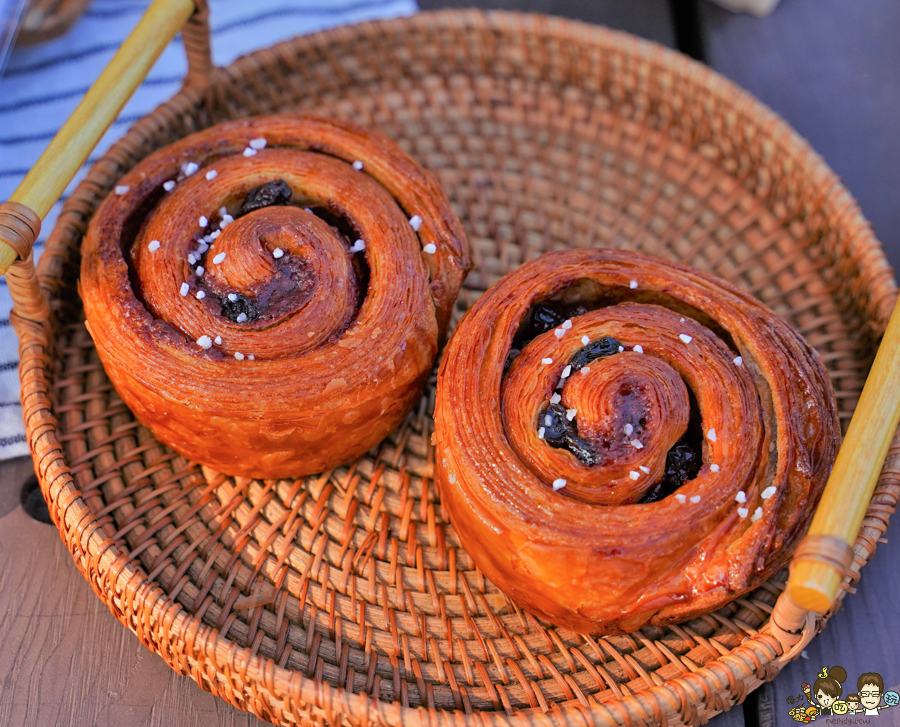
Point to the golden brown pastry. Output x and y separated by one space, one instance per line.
268 295
623 441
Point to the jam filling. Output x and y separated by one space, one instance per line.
684 459
232 309
276 192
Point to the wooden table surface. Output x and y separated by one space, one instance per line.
832 69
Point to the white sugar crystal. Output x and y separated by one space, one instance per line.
277 253
200 295
743 512
415 222
232 297
629 430
739 361
218 340
636 443
711 435
567 324
251 357
695 499
645 470
239 356
634 475
566 371
768 492
242 318
199 271
122 189
357 165
169 186
541 433
714 467
258 144
249 152
681 498
189 168
638 349
558 484
685 337
570 414
559 333
430 248
219 258
184 289
154 245
548 420
621 349
546 361
192 259
632 284
756 515
585 369
204 222
555 399
211 174
585 340
358 246
204 342
227 219
741 497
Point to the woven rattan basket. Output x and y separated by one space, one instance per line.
345 598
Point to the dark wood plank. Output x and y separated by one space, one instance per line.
861 637
831 68
688 28
65 661
646 18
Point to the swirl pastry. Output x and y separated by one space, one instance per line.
623 441
268 295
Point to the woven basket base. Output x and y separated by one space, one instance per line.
289 597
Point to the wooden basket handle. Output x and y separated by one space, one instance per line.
20 217
823 559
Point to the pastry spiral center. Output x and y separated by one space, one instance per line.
602 409
275 266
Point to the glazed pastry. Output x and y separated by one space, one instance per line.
622 441
268 295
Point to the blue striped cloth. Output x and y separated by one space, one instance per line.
42 86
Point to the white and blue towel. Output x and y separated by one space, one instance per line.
42 86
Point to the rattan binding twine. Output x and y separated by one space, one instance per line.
47 19
345 598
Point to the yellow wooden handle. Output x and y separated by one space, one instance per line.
70 148
813 584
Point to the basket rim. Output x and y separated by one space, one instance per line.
168 629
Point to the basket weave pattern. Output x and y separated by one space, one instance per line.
345 598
